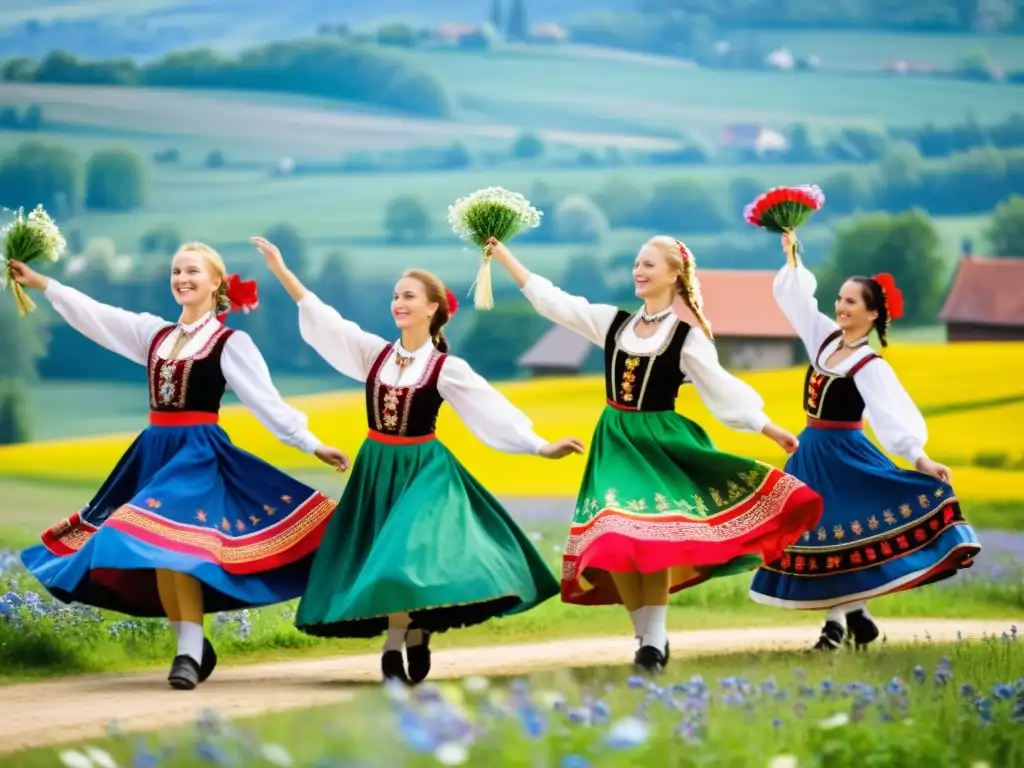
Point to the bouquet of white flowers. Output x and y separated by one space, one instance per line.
492 212
27 239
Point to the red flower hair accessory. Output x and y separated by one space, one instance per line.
892 296
684 251
242 295
453 303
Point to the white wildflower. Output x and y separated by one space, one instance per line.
40 221
476 684
277 755
783 761
72 758
458 213
451 753
836 721
100 758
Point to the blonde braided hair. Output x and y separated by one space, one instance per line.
679 257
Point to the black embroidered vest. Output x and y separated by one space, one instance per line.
644 382
408 410
193 383
834 398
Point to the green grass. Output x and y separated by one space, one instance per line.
857 50
697 99
905 706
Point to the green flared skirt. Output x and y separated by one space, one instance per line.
415 532
657 495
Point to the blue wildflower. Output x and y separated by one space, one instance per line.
574 761
919 675
627 733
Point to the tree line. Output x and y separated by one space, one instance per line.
328 67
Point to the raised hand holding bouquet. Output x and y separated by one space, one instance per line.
492 212
783 209
27 239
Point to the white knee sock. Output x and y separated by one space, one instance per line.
190 640
395 640
414 637
656 632
639 617
838 613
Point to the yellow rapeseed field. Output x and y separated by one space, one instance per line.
935 375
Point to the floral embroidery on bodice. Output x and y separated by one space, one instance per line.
404 411
191 383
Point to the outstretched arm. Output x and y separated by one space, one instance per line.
491 417
794 290
344 345
730 400
246 372
591 321
122 332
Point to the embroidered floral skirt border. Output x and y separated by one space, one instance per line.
416 533
185 499
884 529
657 495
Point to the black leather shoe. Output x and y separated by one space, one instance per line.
418 657
650 659
209 661
392 666
831 637
862 628
184 674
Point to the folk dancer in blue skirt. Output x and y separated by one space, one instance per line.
186 523
884 529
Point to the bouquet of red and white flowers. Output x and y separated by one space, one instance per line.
783 209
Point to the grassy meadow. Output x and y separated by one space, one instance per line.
917 706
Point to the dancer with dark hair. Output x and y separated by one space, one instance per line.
418 545
660 509
187 523
884 529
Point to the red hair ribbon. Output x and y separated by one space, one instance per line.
453 303
684 251
892 295
243 296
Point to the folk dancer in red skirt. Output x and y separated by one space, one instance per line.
661 509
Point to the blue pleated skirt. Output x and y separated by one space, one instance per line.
883 529
184 499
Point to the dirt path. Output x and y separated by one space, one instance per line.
40 714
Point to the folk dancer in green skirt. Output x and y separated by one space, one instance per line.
417 545
660 509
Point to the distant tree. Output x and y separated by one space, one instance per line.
1005 231
32 120
578 219
496 17
397 34
528 146
585 275
15 420
9 119
683 206
517 27
406 220
292 247
36 172
623 201
115 181
19 70
163 240
906 244
215 159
